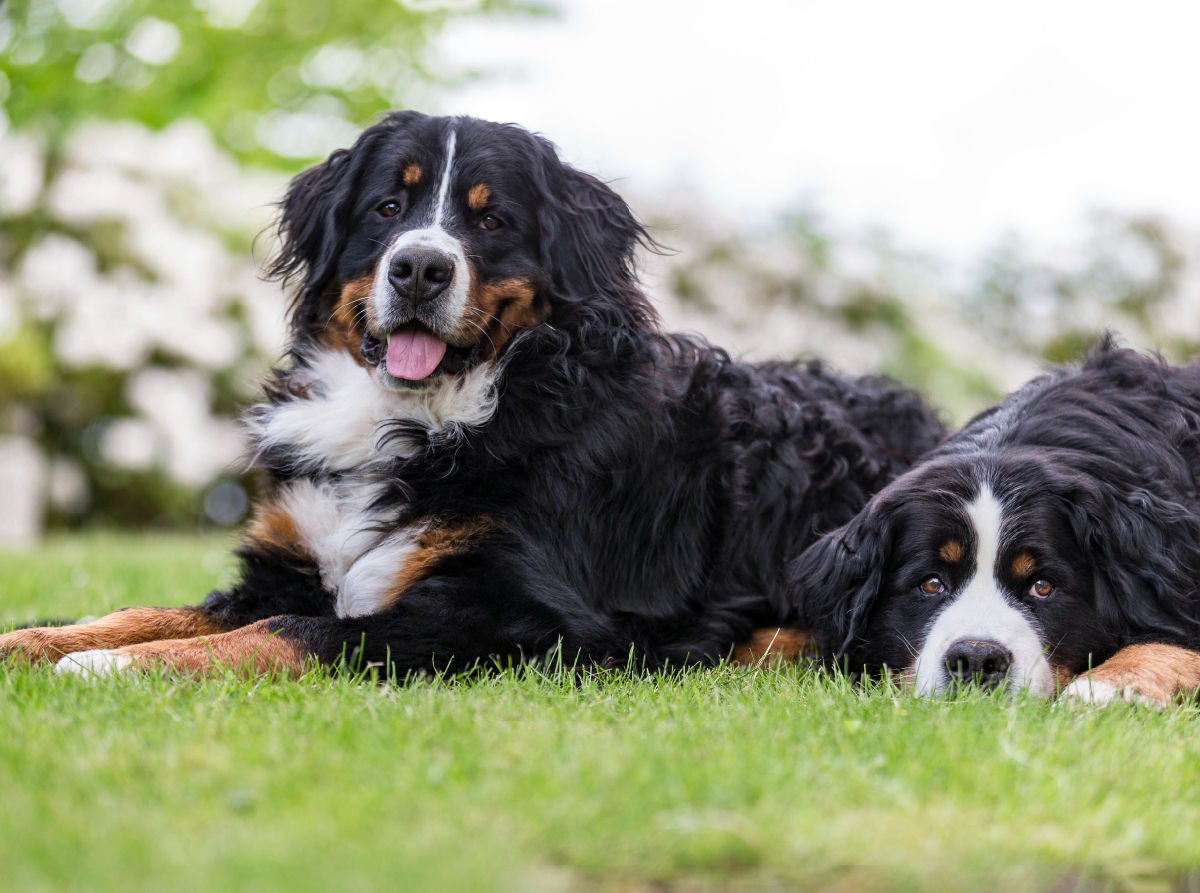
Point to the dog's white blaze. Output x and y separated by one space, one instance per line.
434 235
444 186
981 611
339 425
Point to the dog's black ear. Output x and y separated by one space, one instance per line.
835 583
312 225
1145 555
589 235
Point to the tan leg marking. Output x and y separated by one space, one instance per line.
498 310
1157 674
773 644
128 627
435 545
252 649
1062 676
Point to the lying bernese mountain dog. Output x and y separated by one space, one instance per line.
481 446
1053 543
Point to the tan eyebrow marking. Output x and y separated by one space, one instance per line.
478 196
412 175
1023 565
951 552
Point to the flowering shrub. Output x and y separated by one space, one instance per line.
964 339
134 324
132 318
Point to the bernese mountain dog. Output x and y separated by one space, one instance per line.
481 448
1052 544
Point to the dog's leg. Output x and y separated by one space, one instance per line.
128 627
1155 675
437 625
773 644
256 649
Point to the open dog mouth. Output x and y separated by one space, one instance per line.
413 353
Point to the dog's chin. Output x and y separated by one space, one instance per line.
391 383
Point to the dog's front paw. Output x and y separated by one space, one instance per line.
1087 691
94 664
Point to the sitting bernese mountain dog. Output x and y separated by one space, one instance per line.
481 447
1053 543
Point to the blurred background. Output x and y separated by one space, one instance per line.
953 193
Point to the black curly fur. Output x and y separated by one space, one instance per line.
1099 472
646 490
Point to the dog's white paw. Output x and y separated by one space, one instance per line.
93 664
1087 692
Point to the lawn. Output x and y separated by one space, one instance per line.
723 780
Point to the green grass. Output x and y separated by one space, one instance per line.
722 780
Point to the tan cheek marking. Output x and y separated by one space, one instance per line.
951 552
1023 565
351 313
253 650
435 545
1162 672
772 644
498 310
128 627
412 175
478 197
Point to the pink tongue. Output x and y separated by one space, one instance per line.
413 352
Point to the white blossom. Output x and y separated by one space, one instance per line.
21 172
199 446
22 476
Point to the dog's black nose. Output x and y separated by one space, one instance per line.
421 274
985 661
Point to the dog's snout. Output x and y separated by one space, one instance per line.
420 273
985 661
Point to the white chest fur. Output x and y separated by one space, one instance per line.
335 524
340 424
339 427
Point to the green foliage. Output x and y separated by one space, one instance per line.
1128 279
236 65
533 780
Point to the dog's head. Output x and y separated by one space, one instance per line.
425 248
1017 569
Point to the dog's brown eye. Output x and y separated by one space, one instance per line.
932 586
389 209
491 222
1041 589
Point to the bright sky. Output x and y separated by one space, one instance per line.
949 121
